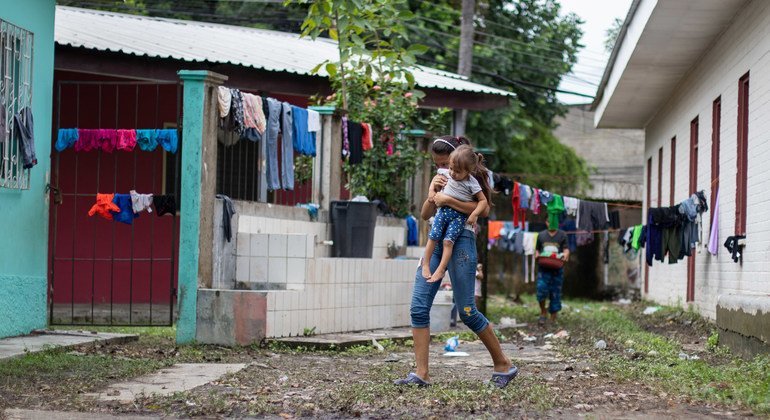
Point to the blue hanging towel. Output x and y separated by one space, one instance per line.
304 140
126 214
167 138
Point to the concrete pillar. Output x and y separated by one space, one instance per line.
327 166
199 157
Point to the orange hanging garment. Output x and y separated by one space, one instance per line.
103 206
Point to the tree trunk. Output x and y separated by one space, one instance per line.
465 62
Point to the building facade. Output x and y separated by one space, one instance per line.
26 81
703 98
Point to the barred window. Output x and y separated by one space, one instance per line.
15 96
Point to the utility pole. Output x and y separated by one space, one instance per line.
465 62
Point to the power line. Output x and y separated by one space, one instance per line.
494 47
540 70
514 41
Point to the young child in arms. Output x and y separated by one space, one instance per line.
466 181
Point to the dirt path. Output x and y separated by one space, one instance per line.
286 383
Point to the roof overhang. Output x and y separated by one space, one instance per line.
91 35
659 43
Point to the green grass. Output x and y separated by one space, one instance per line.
730 381
161 332
58 375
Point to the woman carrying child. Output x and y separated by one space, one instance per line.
461 264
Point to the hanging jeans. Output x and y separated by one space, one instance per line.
273 127
287 148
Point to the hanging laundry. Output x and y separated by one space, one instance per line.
734 247
304 140
518 239
491 179
569 225
65 138
254 123
104 206
126 140
524 192
313 121
107 140
235 120
534 203
355 134
493 229
516 205
555 211
164 204
345 139
366 138
713 245
545 197
125 213
228 210
86 140
636 236
147 139
25 136
168 140
571 206
503 184
271 135
654 241
529 243
140 202
287 147
614 218
224 101
591 216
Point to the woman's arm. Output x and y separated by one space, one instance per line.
465 207
429 206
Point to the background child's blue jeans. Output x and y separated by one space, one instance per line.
462 272
549 284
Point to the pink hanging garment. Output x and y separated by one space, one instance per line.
126 140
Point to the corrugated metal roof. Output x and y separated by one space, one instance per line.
216 43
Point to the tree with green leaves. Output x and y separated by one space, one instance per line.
373 83
524 46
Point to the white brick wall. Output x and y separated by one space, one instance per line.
344 294
743 47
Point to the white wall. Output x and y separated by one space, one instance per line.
344 294
745 46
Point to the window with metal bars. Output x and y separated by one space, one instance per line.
15 95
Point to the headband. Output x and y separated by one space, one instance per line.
444 141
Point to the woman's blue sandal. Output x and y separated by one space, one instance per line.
501 380
412 379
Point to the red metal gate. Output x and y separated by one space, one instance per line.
103 272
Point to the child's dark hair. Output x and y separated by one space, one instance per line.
467 159
445 145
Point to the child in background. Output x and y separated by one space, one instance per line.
466 180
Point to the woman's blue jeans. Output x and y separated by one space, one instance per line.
462 272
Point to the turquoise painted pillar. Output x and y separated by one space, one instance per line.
198 190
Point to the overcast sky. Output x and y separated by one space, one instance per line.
598 16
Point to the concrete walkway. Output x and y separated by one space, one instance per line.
177 378
44 340
345 340
19 414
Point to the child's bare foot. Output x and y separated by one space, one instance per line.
437 276
426 271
